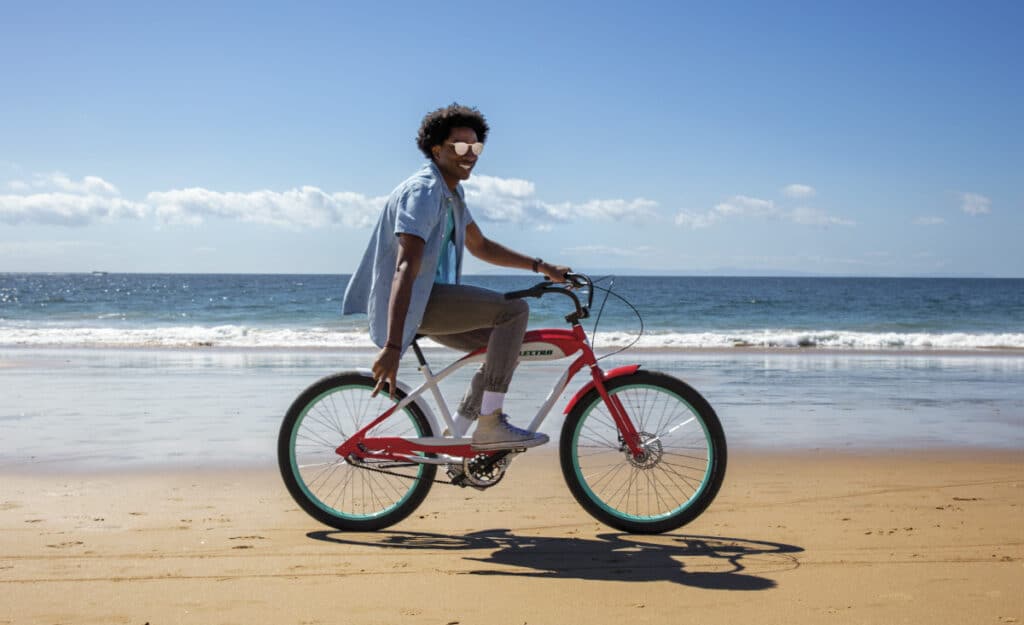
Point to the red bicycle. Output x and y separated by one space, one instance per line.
640 450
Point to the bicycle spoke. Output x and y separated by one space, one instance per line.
343 490
661 481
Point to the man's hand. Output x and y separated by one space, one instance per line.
555 273
385 370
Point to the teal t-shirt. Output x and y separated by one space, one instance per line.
446 261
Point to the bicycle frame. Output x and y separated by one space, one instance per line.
546 344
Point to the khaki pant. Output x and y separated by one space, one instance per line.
467 318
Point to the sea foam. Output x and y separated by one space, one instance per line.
238 336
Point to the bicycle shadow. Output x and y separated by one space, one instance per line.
709 562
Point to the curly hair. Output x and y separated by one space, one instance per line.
437 126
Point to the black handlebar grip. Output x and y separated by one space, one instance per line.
532 292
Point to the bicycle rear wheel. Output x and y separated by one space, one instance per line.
332 490
680 472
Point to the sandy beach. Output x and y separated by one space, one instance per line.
138 486
801 537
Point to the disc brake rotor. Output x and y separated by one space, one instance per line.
651 456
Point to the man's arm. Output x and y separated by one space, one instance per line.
410 256
497 254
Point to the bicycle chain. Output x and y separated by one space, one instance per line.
496 458
386 472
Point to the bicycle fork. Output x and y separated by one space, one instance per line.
630 437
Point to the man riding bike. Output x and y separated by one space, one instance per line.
409 280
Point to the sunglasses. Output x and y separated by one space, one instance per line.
461 147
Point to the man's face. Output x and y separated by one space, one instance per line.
454 167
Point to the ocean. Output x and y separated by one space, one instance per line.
303 311
121 371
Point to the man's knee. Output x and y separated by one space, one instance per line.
513 310
519 308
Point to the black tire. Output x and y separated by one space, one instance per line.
331 490
677 479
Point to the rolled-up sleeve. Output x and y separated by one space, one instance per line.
416 211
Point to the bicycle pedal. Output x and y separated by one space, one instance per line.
457 477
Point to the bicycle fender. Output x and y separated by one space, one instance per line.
617 372
424 406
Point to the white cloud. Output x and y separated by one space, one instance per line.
798 191
605 250
66 208
514 200
306 206
736 206
495 186
500 199
57 199
62 201
600 209
975 204
89 185
929 221
60 182
696 220
816 217
743 206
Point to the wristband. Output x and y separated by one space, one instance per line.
536 264
392 346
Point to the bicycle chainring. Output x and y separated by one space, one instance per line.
480 471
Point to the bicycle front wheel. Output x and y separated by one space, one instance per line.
680 471
357 497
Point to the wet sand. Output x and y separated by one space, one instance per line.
64 410
797 537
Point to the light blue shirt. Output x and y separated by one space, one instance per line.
418 206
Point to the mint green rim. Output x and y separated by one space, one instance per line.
705 480
293 463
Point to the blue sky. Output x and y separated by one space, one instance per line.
834 138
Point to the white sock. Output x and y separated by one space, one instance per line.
491 402
461 424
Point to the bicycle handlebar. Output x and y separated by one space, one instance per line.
575 281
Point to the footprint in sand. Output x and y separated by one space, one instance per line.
255 537
64 545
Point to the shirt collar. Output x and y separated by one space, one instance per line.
444 186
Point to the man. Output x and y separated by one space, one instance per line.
409 280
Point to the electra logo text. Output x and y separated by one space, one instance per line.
537 352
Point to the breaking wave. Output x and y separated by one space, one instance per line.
237 336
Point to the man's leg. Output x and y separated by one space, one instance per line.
469 407
467 318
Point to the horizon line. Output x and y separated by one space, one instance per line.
623 274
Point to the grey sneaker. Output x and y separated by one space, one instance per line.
493 431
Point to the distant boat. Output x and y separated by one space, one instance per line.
99 273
